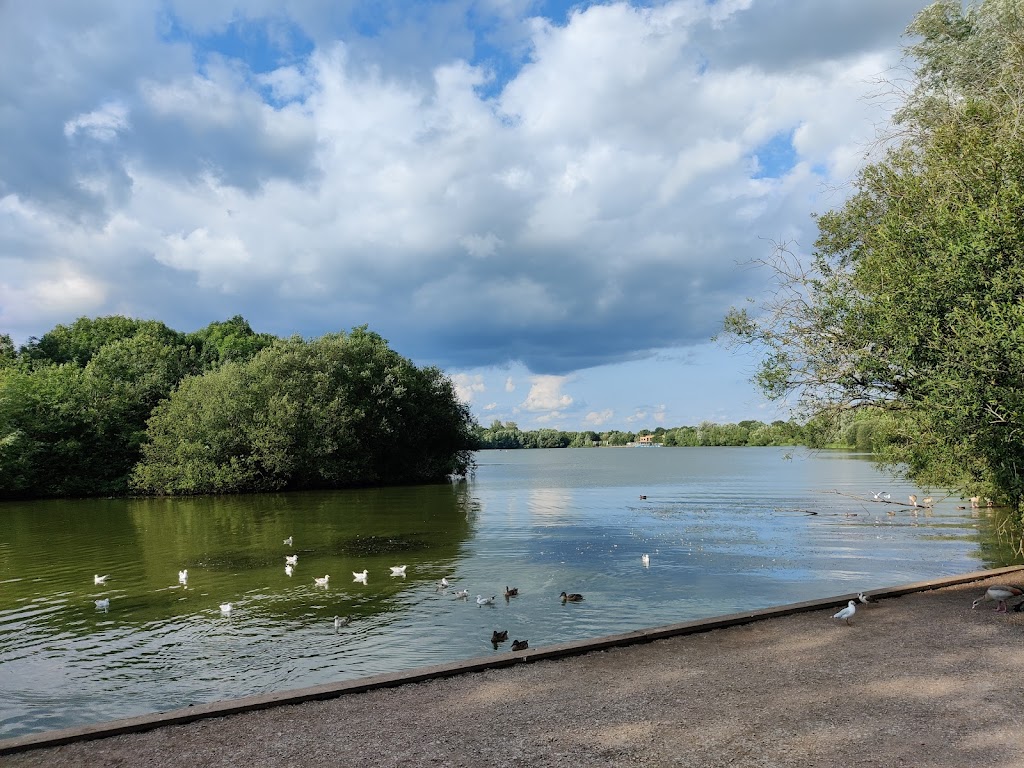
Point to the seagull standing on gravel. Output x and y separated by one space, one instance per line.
864 598
847 613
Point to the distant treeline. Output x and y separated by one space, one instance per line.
114 405
866 430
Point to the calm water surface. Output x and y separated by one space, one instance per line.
727 529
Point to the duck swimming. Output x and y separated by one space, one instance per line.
513 592
520 645
499 637
574 597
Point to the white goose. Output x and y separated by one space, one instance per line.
481 600
103 605
291 559
183 577
360 577
321 581
97 579
398 570
998 593
847 613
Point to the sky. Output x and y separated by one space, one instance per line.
554 202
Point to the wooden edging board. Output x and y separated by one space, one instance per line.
420 674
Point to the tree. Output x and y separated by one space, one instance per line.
913 300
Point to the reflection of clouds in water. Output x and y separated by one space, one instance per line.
551 505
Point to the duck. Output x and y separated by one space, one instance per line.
288 541
97 579
998 593
520 645
499 637
462 593
321 581
574 597
511 592
225 609
398 570
481 600
183 576
360 576
645 559
291 559
847 613
340 622
103 605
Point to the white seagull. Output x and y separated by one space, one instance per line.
341 622
103 605
998 593
360 576
481 600
645 559
183 576
97 579
462 593
398 570
847 613
291 559
225 609
864 598
288 541
321 581
289 569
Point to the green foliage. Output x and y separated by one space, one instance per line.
337 411
914 300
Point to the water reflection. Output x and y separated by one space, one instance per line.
726 530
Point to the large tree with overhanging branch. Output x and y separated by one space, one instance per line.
913 298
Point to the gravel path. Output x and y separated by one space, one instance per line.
919 680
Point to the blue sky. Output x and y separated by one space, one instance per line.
552 201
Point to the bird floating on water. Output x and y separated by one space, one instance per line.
361 577
499 637
645 559
520 645
398 570
462 593
321 581
291 559
97 579
444 583
225 609
340 622
847 613
288 541
183 576
289 569
573 597
511 592
103 605
913 499
999 593
481 600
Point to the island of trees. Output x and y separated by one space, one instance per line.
114 405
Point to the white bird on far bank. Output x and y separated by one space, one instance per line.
103 605
847 613
398 570
481 600
97 579
361 577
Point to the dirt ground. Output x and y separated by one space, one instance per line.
919 680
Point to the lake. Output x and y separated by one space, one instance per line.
726 529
